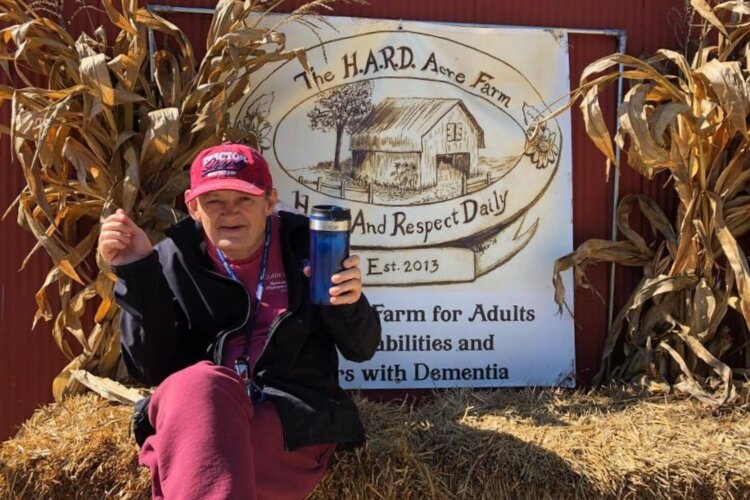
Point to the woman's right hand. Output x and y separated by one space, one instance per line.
121 241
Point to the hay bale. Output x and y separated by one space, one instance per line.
546 444
79 448
611 443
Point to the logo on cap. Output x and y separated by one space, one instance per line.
223 164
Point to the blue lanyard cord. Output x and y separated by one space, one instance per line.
259 287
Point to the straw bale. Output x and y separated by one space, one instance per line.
610 443
79 448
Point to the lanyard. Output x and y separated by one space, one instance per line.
242 364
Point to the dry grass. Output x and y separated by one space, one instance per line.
611 443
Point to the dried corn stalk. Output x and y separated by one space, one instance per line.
103 132
687 117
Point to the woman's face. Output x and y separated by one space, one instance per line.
234 222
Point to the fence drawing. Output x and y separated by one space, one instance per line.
474 185
341 190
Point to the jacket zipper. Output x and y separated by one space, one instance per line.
222 337
275 324
271 329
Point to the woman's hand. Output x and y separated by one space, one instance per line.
121 241
347 283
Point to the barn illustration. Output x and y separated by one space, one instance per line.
416 142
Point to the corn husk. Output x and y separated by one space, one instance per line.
111 128
683 119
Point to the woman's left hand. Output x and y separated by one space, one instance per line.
347 284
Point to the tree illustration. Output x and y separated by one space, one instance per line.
341 109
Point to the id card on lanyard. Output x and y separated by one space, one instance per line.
242 363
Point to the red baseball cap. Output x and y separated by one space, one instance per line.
234 167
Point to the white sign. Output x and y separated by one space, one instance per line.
423 131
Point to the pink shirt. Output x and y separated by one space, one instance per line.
274 300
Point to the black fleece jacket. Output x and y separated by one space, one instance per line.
176 311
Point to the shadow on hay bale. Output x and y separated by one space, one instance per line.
457 444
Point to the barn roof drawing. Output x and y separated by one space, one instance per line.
398 124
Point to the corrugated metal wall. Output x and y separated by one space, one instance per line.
29 359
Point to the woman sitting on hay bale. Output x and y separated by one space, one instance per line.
248 403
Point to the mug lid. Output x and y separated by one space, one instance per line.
330 212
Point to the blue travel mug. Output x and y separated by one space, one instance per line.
329 247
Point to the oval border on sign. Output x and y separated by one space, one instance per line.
472 231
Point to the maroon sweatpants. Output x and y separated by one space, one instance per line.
211 442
